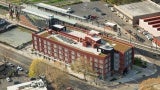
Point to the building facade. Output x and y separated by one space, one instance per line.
104 59
141 10
67 54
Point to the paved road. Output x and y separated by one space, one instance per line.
14 56
25 62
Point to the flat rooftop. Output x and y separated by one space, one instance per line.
139 8
38 12
28 86
71 42
118 45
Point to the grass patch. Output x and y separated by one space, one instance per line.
138 62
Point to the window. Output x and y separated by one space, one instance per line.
66 59
36 47
66 54
45 42
101 61
72 57
55 50
100 70
95 64
130 51
66 50
95 60
106 65
45 50
49 44
45 46
49 52
35 38
78 55
96 69
60 48
85 57
60 52
55 46
106 69
72 52
60 56
55 54
109 68
49 48
101 66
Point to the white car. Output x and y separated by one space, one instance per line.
8 79
19 68
10 64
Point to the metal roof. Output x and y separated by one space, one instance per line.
57 9
35 11
51 7
139 8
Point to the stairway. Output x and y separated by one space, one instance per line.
24 21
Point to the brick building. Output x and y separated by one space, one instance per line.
66 45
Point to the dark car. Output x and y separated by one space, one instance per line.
16 82
139 38
103 14
31 79
96 9
129 31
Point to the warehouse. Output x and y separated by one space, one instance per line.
133 12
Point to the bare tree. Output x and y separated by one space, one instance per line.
84 66
58 78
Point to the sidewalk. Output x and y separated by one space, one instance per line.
137 72
133 75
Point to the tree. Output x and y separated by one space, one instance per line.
149 84
84 66
57 77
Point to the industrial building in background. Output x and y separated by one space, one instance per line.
68 43
133 12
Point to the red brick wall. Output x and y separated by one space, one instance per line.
61 52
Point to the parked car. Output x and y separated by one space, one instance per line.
129 31
19 68
16 82
103 14
139 38
8 79
145 33
149 36
10 64
70 10
96 9
31 79
26 71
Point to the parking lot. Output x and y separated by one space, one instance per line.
5 80
96 9
19 79
104 13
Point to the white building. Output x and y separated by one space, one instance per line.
151 24
32 85
133 12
